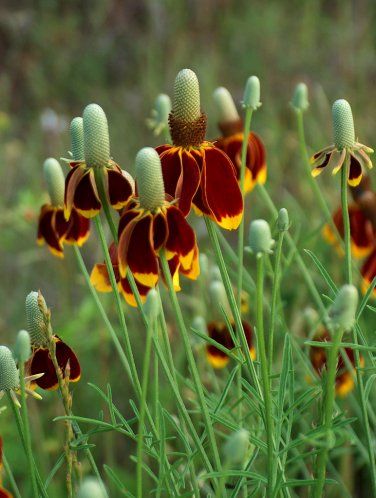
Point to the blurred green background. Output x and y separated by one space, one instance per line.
58 56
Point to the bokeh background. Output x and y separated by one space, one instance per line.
57 56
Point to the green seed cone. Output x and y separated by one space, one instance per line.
54 176
36 310
22 350
343 310
149 179
162 108
9 376
251 97
260 237
77 139
300 98
90 488
343 125
186 102
96 137
225 105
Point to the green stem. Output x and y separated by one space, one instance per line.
25 420
346 220
141 421
191 362
328 405
261 351
10 475
275 292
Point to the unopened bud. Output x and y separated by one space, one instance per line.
300 98
225 105
251 97
343 310
343 125
91 488
149 179
9 376
283 221
260 237
96 137
22 350
151 306
236 447
199 324
54 177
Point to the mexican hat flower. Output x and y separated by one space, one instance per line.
93 175
344 376
219 332
3 492
345 147
151 223
53 229
195 171
368 271
45 343
231 127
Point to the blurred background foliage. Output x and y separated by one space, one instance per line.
56 56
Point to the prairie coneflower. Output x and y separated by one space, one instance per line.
344 377
151 223
91 155
53 228
231 126
44 343
345 147
195 171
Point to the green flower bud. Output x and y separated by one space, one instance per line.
204 265
283 221
260 237
218 298
96 137
22 350
225 105
9 376
215 273
343 310
36 312
149 179
186 101
199 324
90 488
152 306
77 139
236 448
251 97
343 125
54 177
300 98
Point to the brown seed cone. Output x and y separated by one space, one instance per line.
185 133
229 128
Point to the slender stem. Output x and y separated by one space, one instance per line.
261 351
12 481
327 410
275 292
246 131
25 420
359 378
141 421
191 362
346 220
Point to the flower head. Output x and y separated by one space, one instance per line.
345 147
195 171
231 126
53 229
45 343
159 115
81 190
344 377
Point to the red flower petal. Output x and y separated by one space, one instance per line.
86 199
119 190
41 363
181 238
125 289
79 229
47 232
72 180
160 231
355 172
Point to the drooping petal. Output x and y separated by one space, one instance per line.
355 171
160 231
193 271
86 199
79 229
181 239
72 180
47 233
320 167
136 251
128 295
41 363
99 276
221 189
118 188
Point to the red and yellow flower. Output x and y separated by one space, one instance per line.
344 376
195 171
82 190
368 271
219 332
